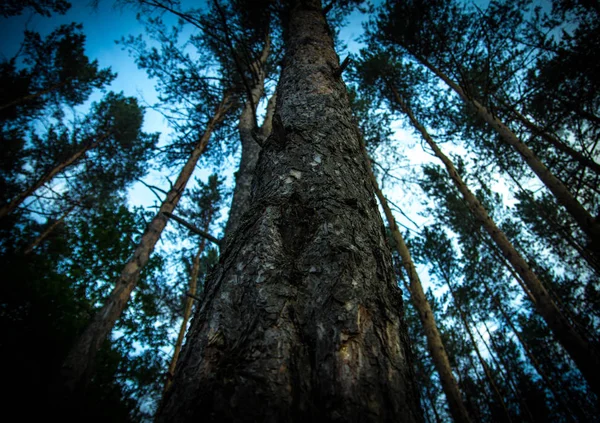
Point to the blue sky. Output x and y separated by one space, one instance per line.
104 25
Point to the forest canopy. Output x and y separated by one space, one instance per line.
340 210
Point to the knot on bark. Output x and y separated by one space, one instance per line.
297 225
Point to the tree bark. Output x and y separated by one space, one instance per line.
434 340
48 176
302 319
250 147
78 366
580 350
584 219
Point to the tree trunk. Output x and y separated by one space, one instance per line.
47 177
532 359
302 319
503 368
584 219
78 366
48 230
555 142
250 147
33 96
579 349
434 340
486 367
189 303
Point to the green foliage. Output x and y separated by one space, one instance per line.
50 295
41 7
122 155
509 56
49 71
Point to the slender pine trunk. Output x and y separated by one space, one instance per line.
556 143
49 230
189 303
532 359
504 369
302 319
78 366
250 147
486 367
48 176
580 350
588 224
434 340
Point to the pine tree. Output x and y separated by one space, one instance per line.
302 315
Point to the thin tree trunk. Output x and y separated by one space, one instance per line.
555 142
30 97
486 367
481 383
78 366
250 147
434 340
580 349
49 230
433 407
47 177
189 303
584 219
532 359
503 369
592 260
302 320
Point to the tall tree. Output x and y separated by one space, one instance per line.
434 341
483 266
581 350
434 34
206 199
302 315
110 138
78 366
435 344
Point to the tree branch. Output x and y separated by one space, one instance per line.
193 228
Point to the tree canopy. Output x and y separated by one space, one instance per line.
472 127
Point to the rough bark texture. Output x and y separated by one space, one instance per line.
584 219
580 349
78 366
302 320
47 177
434 340
250 148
